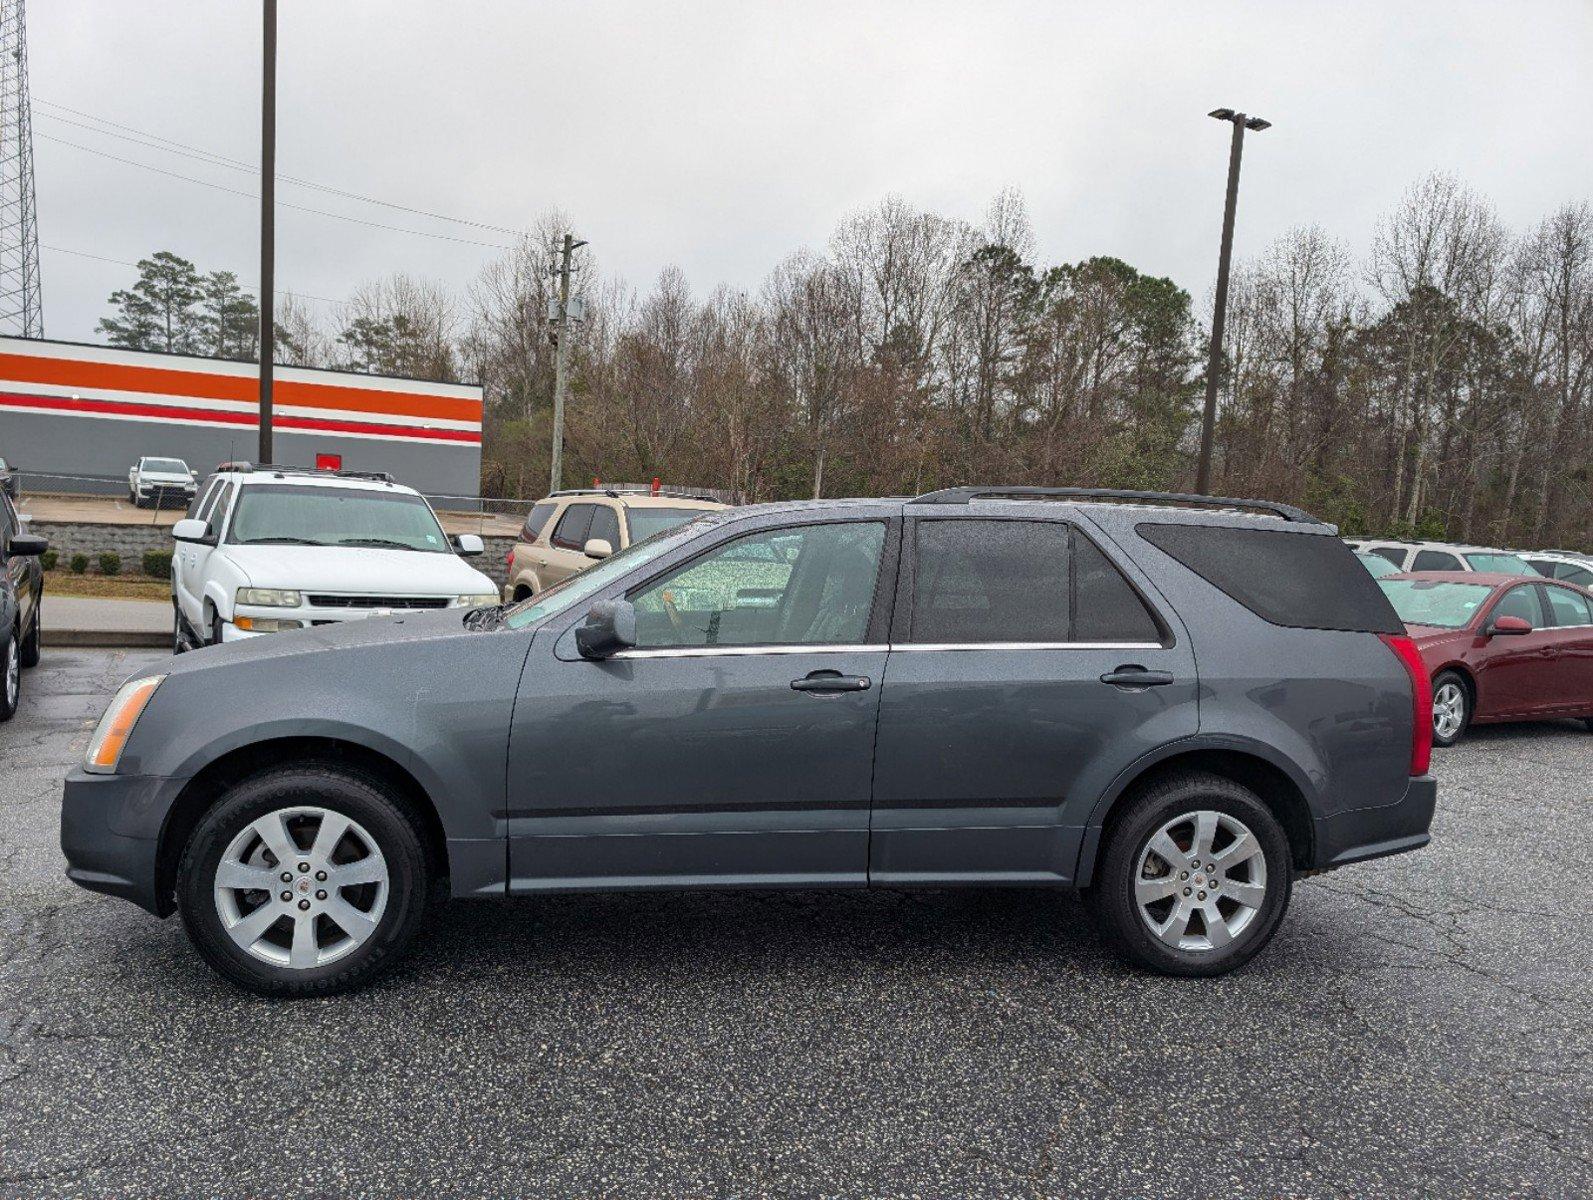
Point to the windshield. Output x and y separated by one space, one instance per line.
1376 564
1435 602
1504 564
594 579
645 522
288 515
167 466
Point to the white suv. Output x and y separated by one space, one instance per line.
156 480
269 549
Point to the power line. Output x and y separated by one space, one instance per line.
122 262
221 187
172 146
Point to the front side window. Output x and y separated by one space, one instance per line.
801 585
1568 608
202 498
290 515
1572 573
605 525
1393 553
570 532
1442 605
9 522
1519 602
1434 560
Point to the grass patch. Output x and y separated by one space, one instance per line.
106 587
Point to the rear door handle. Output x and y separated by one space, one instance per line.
831 681
1136 677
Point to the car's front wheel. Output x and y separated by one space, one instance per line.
10 675
303 881
1196 877
1451 708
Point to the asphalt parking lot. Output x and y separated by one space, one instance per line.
1421 1025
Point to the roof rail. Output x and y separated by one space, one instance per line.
242 467
962 495
627 490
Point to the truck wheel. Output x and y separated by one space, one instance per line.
303 881
1196 877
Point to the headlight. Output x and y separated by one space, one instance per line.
111 734
268 597
476 600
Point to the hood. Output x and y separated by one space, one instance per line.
360 570
1431 637
396 630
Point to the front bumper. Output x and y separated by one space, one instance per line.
310 615
110 833
1364 833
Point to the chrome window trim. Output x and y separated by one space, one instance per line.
874 648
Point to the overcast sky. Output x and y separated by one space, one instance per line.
722 136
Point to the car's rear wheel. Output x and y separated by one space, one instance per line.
1196 877
303 881
1451 708
28 654
10 676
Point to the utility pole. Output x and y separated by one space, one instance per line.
562 316
268 217
1208 424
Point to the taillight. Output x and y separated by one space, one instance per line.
509 559
1421 698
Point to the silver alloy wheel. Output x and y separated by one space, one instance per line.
1449 709
1200 880
301 887
13 672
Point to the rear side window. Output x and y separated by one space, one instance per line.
1392 553
570 532
1297 580
1434 560
1567 608
981 581
538 517
1574 574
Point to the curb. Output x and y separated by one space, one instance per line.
115 638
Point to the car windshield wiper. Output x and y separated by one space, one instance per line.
385 542
280 541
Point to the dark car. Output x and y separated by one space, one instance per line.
10 481
21 607
1173 709
1498 647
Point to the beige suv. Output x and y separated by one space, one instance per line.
572 529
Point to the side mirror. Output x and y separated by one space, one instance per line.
610 627
1509 626
469 543
26 545
598 548
191 529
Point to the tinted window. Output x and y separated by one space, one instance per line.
811 584
208 503
570 532
1299 580
1434 560
218 510
605 525
538 517
8 519
991 581
1542 566
1575 574
197 504
1567 608
1394 554
645 522
1519 602
1105 607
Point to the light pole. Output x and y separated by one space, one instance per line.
1208 424
268 191
563 314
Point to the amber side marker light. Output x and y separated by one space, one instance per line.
111 734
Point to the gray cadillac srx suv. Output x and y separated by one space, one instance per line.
1168 703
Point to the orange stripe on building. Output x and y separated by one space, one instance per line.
166 381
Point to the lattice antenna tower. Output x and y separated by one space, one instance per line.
21 303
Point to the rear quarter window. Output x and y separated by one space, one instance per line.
537 519
1296 580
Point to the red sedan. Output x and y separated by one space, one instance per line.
1499 647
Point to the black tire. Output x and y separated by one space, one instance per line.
322 786
179 644
28 655
10 685
1451 679
1113 900
215 629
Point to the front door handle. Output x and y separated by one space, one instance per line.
831 681
1136 677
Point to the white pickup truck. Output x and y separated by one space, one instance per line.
159 481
